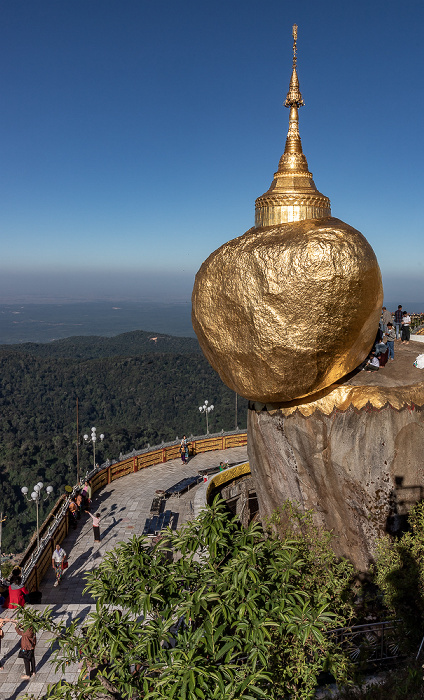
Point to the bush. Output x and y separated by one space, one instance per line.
399 572
234 613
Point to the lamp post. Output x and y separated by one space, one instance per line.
93 439
37 497
1 527
206 409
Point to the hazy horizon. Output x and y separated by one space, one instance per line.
65 286
46 322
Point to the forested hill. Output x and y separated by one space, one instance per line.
133 396
125 344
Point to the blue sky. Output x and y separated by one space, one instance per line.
135 136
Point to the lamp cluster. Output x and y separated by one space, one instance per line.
36 496
93 439
206 409
36 493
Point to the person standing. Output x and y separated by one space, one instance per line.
398 320
406 327
96 525
28 642
78 503
183 448
86 494
58 560
390 340
1 637
73 515
386 318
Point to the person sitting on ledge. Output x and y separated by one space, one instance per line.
373 364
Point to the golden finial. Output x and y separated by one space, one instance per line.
294 96
294 45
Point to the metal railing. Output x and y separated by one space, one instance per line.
375 642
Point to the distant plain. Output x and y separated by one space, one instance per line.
42 323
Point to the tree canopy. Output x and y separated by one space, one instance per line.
133 390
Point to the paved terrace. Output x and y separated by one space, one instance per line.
124 506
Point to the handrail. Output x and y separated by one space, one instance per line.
35 562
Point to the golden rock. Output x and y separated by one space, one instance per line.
285 311
293 305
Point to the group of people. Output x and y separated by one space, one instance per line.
400 323
12 595
26 652
384 345
80 502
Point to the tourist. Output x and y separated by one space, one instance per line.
390 340
73 515
398 320
406 330
28 642
1 637
58 563
86 495
17 593
373 364
96 524
78 502
184 449
386 318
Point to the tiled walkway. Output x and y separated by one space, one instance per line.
124 507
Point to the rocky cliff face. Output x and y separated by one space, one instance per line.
355 468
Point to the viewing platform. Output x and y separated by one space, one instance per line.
124 506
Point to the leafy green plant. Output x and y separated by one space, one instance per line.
399 572
213 611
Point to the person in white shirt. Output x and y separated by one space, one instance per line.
373 364
58 559
406 330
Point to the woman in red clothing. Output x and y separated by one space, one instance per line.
17 593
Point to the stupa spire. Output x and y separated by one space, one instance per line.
292 195
294 96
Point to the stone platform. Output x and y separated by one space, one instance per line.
124 506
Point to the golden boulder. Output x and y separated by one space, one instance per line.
285 311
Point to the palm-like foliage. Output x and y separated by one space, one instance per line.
233 614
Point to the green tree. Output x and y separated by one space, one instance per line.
214 611
399 573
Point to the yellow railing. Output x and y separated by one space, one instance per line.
35 567
226 476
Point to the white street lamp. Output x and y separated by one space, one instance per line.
36 496
206 409
93 439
